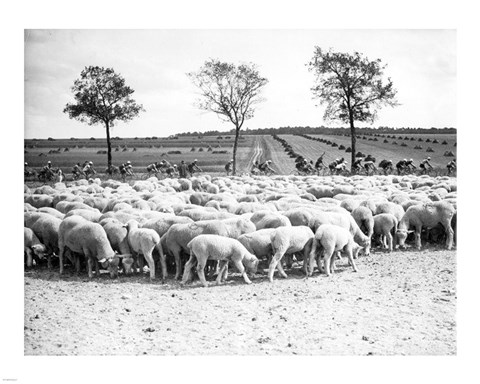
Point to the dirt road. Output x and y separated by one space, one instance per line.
397 304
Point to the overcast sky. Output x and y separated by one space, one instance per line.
421 64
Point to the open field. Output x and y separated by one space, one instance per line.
397 304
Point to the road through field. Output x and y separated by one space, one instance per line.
257 153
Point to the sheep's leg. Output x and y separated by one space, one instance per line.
187 274
201 271
328 254
281 270
389 241
77 263
163 261
178 263
222 267
288 261
141 263
61 247
418 236
350 258
225 272
273 264
150 262
89 266
308 269
242 270
450 234
28 251
97 268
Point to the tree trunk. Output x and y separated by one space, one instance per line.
237 132
109 146
354 141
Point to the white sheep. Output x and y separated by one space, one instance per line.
426 215
31 243
328 240
384 224
224 250
87 238
289 240
142 241
117 236
268 219
259 242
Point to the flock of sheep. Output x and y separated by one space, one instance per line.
207 222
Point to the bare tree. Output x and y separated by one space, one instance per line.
351 86
102 97
230 91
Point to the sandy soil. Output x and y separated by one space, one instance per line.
398 304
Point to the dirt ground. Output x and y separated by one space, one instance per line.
397 304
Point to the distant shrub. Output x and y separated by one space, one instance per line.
154 138
444 142
395 143
174 152
448 154
219 137
427 141
375 139
192 149
429 149
418 147
200 149
134 149
227 137
73 138
348 150
50 139
404 145
435 141
101 152
135 138
219 152
66 150
412 138
125 149
385 141
209 149
334 145
342 147
92 138
360 154
420 139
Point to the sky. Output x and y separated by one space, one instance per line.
421 64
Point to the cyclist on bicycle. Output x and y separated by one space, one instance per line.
424 164
409 166
77 171
333 164
341 166
47 171
229 167
265 167
152 168
357 165
451 166
386 165
255 167
369 166
319 163
193 167
88 170
401 166
171 170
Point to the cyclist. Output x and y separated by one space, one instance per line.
229 167
171 170
265 167
152 168
193 167
341 166
333 164
369 166
319 163
77 171
401 166
255 168
88 170
357 165
424 164
451 166
47 171
386 165
409 166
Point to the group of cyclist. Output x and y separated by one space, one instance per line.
302 165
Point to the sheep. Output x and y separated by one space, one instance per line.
179 235
87 214
426 215
65 206
204 247
298 216
384 224
330 239
142 241
289 240
45 227
117 236
39 201
31 243
52 211
203 214
258 242
268 219
87 238
389 207
364 219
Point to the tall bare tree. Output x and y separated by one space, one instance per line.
230 91
101 97
351 86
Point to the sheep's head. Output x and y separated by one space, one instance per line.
131 224
127 263
356 250
111 265
39 250
251 264
401 237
